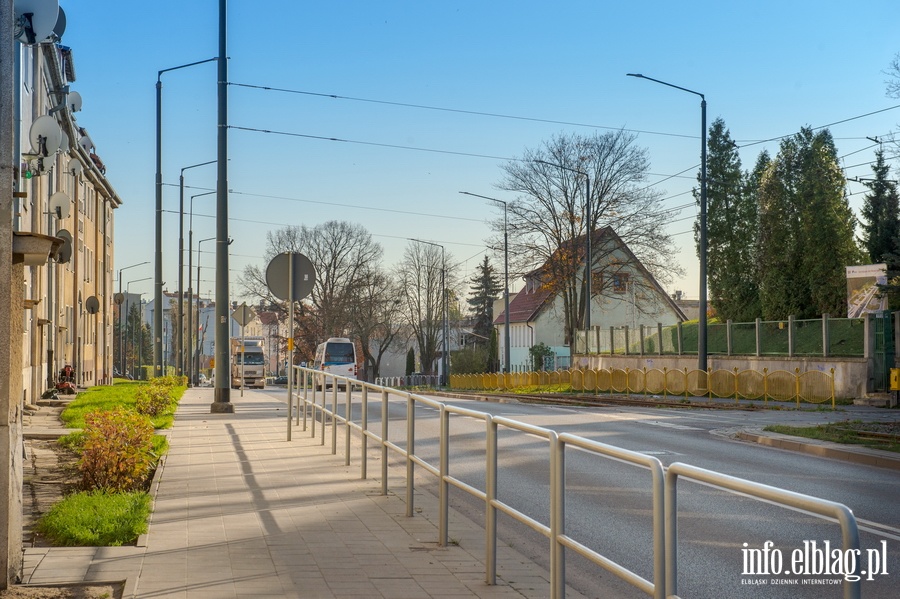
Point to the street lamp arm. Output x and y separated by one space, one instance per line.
183 66
684 89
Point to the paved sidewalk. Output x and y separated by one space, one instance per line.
241 512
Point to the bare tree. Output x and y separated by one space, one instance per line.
342 253
376 319
421 293
547 222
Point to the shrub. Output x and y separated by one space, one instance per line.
152 399
117 450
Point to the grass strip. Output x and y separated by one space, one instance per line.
96 519
853 433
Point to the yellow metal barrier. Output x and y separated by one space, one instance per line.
781 385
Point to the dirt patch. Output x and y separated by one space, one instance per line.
63 592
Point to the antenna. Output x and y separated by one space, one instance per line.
74 99
86 143
92 305
75 167
60 204
35 20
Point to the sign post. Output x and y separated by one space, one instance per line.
290 276
243 314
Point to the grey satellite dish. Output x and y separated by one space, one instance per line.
60 205
92 305
74 101
35 20
65 252
75 167
60 28
119 298
45 135
64 144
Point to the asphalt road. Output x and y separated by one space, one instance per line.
608 502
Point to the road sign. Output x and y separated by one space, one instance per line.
304 276
243 314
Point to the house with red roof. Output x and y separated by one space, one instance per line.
624 294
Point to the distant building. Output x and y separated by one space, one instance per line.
626 295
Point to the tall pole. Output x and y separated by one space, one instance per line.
122 332
199 345
506 335
158 273
222 400
183 364
701 325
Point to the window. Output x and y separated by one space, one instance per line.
620 282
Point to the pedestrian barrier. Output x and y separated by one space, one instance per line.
813 386
313 386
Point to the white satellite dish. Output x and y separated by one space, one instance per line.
60 205
35 20
45 135
86 143
75 167
74 101
64 143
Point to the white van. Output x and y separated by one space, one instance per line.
336 356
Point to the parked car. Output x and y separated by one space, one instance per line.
280 380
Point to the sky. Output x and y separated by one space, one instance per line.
398 83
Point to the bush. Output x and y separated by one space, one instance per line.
117 450
152 399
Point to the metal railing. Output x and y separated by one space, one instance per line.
313 385
813 386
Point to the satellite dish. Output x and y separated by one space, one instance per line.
74 99
64 144
86 143
75 167
92 305
60 26
45 135
119 298
60 204
35 20
65 252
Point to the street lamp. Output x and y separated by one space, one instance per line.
199 254
445 357
179 334
140 319
588 256
190 306
505 277
121 330
158 294
701 326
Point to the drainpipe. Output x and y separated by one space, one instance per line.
531 343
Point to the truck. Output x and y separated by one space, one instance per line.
248 362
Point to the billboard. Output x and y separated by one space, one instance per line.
862 289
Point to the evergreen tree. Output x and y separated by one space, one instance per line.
881 213
731 231
803 208
410 361
486 287
881 226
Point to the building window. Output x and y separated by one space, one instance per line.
620 283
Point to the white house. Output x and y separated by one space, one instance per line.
624 293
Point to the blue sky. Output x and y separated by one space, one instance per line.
767 68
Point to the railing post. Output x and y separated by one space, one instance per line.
347 423
557 517
410 452
728 338
490 512
659 337
670 517
333 416
627 340
305 376
612 341
364 423
444 486
384 441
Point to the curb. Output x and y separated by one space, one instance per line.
825 449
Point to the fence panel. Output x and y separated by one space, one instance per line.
815 386
781 385
722 383
751 384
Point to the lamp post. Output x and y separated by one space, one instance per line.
140 319
190 361
158 285
506 335
121 329
199 347
445 345
701 326
179 333
588 255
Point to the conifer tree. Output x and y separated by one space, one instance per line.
486 287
